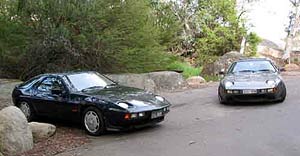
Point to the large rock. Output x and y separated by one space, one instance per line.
291 67
195 81
153 82
15 133
222 63
141 81
167 80
41 130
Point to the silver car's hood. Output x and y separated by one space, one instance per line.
252 80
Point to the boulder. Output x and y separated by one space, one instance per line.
291 67
41 130
167 80
141 81
195 81
1 154
15 133
153 82
222 63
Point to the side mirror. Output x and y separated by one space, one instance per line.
222 72
56 91
282 69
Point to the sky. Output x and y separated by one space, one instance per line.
269 18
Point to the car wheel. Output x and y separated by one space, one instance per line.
26 108
93 121
221 100
283 95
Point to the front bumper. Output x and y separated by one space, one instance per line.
270 97
117 122
260 96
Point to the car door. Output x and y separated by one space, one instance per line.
45 102
42 97
66 108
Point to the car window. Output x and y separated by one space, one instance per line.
29 82
82 81
252 66
48 84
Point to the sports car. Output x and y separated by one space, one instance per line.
252 80
91 98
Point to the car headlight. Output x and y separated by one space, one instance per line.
273 82
228 84
123 105
159 98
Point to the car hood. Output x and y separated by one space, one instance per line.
251 80
135 97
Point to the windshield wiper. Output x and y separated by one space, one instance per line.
111 85
245 71
265 70
93 87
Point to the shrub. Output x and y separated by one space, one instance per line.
187 69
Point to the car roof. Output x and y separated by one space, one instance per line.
253 59
66 73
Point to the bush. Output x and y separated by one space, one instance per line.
187 69
252 42
102 35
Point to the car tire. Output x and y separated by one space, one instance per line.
221 100
27 109
283 96
93 121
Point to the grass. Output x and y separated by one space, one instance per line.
211 78
187 69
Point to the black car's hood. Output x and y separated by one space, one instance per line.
251 80
136 97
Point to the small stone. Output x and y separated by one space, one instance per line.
195 81
41 130
192 142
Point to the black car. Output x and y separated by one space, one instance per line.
252 80
91 98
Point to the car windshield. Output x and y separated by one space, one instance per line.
90 80
252 66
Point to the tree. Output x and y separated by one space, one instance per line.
221 28
101 35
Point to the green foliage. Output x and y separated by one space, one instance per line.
167 22
187 69
220 27
252 40
13 41
211 78
115 35
102 35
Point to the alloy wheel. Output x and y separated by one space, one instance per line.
25 108
91 121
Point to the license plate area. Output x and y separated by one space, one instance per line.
250 91
156 114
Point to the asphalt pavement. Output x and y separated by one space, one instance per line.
199 126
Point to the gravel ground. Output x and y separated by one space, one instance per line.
65 139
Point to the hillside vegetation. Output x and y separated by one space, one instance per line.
114 36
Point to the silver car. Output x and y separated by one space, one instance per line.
252 80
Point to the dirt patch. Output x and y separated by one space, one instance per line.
65 139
